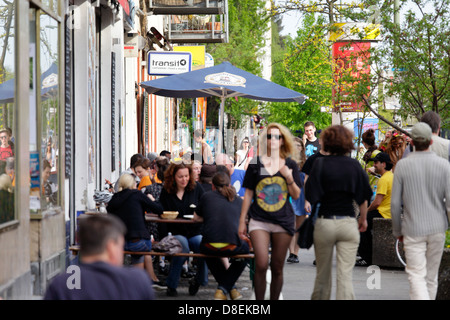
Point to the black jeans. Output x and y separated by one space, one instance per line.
226 278
365 243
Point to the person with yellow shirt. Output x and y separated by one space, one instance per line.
380 206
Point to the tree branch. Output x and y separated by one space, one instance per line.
379 116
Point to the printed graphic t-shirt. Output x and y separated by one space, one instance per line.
271 197
311 147
5 153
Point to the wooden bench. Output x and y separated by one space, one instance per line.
76 248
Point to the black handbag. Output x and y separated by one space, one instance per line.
306 230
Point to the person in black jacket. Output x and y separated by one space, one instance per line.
100 274
130 205
220 210
181 193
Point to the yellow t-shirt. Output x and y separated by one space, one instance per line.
384 187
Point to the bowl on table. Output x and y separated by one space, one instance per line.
169 215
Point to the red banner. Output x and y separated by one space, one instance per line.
349 59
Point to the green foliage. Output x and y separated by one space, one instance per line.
417 50
447 239
248 21
302 64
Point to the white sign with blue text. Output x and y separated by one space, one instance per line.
169 63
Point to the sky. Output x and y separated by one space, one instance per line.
291 23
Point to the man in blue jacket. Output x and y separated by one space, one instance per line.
100 274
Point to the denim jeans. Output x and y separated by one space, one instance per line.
226 278
142 245
176 264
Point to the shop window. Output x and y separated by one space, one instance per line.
7 111
44 112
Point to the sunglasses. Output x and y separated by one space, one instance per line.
276 136
3 137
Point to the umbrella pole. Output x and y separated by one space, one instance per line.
221 115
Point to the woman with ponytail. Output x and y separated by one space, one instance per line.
219 210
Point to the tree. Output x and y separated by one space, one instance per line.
248 22
417 50
302 64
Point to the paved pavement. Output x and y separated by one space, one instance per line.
370 283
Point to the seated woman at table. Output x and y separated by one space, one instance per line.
142 168
181 193
220 210
130 206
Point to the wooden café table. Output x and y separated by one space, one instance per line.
151 217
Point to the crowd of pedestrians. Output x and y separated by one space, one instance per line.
257 200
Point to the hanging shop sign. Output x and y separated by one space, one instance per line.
168 63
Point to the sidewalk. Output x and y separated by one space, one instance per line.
387 284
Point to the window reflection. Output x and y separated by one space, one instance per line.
7 111
49 110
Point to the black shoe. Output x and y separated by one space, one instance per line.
171 292
194 285
159 285
293 258
164 270
187 274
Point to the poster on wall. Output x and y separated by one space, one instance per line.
362 125
35 183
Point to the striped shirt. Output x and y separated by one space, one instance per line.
421 185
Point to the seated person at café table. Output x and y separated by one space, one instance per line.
101 275
220 210
181 193
130 205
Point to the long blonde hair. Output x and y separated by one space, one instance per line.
288 147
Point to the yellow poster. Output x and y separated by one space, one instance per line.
198 55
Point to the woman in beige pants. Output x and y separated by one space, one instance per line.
336 182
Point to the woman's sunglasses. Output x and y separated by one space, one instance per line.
276 136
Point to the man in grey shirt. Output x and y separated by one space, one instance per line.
420 206
440 146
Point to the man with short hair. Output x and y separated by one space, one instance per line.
101 275
310 140
236 175
420 206
440 146
166 153
380 206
